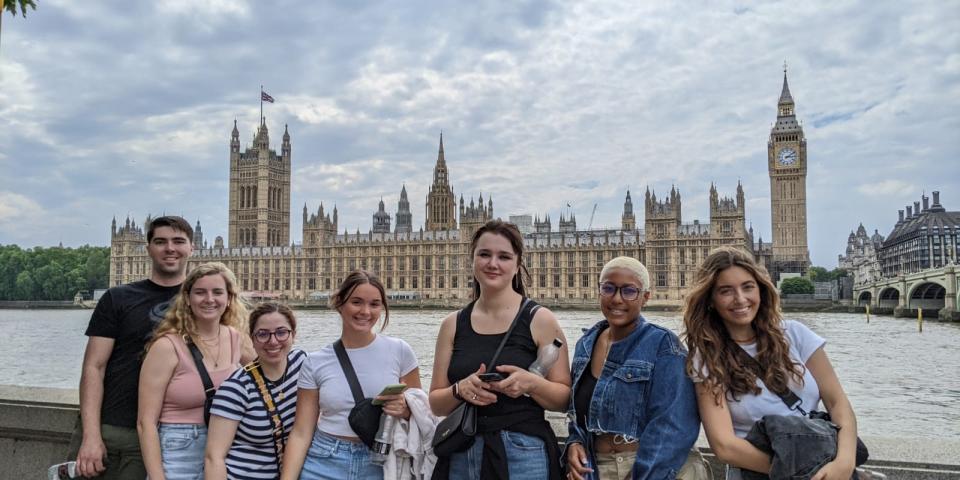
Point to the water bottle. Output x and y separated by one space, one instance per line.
383 439
546 357
63 471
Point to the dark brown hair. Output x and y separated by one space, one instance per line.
172 221
266 308
349 284
707 338
513 235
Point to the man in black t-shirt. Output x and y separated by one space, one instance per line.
119 329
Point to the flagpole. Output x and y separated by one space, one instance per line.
261 104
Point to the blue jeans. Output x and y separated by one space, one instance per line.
181 450
526 458
331 458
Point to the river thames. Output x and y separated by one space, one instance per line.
903 384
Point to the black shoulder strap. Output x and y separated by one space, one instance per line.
201 368
789 398
348 371
523 306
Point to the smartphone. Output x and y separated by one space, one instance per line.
490 377
389 390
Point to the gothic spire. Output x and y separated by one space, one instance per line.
440 159
785 97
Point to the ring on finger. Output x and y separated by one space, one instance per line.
474 396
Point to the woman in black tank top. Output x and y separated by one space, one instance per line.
514 440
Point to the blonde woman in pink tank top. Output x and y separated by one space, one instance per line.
209 313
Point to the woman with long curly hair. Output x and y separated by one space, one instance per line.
733 310
208 313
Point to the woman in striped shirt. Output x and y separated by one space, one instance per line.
241 443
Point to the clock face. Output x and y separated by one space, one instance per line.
787 156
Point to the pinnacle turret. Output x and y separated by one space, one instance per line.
785 97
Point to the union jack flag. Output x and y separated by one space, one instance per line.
264 96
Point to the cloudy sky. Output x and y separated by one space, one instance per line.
116 108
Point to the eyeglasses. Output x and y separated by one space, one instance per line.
627 292
263 336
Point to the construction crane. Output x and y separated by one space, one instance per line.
594 212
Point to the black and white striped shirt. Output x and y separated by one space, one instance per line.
252 454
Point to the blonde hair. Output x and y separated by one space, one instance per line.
631 264
179 318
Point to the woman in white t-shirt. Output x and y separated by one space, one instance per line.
734 306
330 449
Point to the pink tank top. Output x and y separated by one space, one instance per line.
183 400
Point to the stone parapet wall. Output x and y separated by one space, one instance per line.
36 425
34 433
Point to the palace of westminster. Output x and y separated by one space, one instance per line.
432 264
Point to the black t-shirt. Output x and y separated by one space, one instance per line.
128 314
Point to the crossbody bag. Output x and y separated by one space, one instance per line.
364 417
794 402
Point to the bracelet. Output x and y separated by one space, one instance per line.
456 391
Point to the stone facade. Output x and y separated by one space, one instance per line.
259 191
441 203
927 237
432 264
861 259
787 166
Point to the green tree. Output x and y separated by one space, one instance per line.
818 274
52 273
796 285
11 6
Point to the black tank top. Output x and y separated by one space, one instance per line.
582 396
470 349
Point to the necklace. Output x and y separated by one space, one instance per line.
609 344
283 379
216 360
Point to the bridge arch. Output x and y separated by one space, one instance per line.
864 298
928 295
889 297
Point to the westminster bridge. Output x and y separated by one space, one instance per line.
933 289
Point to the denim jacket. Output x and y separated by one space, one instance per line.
798 446
644 394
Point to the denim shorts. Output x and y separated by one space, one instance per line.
526 458
331 458
181 450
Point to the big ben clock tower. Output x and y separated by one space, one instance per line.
787 164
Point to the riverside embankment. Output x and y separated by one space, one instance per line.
36 426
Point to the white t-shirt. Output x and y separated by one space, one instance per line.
803 342
377 365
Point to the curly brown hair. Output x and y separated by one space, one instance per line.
721 368
179 318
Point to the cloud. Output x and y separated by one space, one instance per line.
14 206
886 188
116 108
